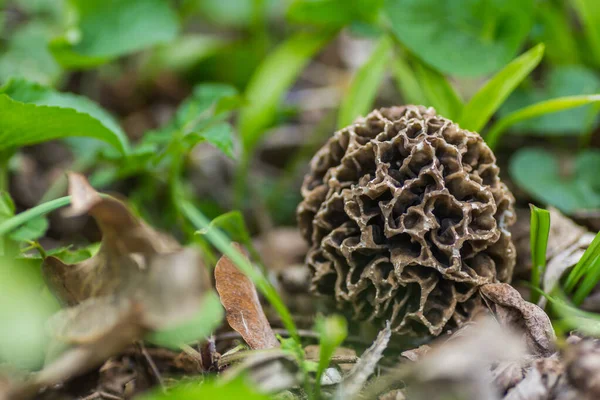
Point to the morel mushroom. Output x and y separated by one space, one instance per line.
406 217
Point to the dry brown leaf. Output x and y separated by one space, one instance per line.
512 311
583 367
139 281
127 245
242 305
416 354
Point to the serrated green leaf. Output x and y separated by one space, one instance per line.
466 38
439 92
490 97
270 81
106 29
365 84
220 136
536 171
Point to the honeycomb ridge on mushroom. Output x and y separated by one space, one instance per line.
406 217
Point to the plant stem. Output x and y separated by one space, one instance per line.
37 211
222 243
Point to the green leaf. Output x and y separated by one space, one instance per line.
220 136
465 38
233 224
407 82
536 110
23 124
233 389
439 92
566 81
589 13
537 172
27 55
207 101
31 92
182 54
556 32
365 84
31 230
490 97
107 29
333 13
271 80
24 312
332 333
538 242
208 318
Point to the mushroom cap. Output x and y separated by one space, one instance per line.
406 217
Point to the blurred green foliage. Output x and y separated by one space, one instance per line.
534 66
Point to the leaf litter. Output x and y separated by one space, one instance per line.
141 283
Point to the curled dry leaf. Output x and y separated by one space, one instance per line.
583 367
127 246
364 368
512 311
459 367
140 281
242 305
543 381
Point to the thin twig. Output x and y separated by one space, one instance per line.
152 366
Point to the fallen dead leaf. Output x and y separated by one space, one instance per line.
583 366
140 281
416 354
513 312
242 305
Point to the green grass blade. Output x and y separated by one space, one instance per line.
407 82
538 241
590 280
270 81
439 92
365 85
589 13
490 97
35 212
582 267
332 333
223 244
536 110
